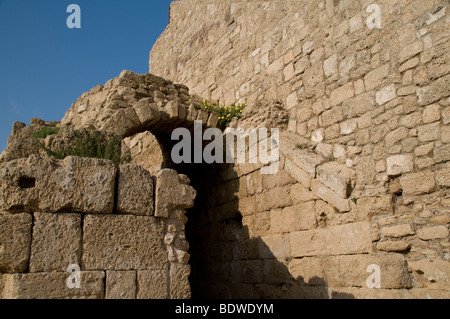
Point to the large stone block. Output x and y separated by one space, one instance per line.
337 177
53 286
399 164
56 242
417 183
429 274
135 191
351 271
15 241
180 287
153 284
330 196
75 184
434 92
336 240
121 285
172 192
113 242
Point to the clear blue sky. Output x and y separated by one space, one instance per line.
45 66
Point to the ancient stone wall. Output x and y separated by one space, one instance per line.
125 239
364 170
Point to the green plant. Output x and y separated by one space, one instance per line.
355 200
90 143
46 131
331 159
225 113
337 211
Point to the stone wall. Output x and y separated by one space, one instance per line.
126 238
365 171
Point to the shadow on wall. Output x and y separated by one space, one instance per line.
227 262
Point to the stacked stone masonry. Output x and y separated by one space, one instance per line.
363 176
90 214
366 180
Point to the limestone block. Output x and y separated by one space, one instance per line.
393 245
396 136
179 281
153 284
443 176
442 154
336 240
337 177
376 77
368 207
351 271
358 106
342 94
399 164
135 190
147 112
123 122
435 91
386 94
398 231
123 242
15 241
431 113
330 196
300 175
417 183
435 232
172 192
56 242
429 132
121 285
275 246
75 184
410 51
429 274
53 286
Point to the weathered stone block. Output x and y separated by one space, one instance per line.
376 77
56 242
121 285
336 240
134 197
442 154
429 132
398 231
300 175
53 286
300 217
345 271
172 193
15 241
399 164
435 232
113 242
417 183
434 92
443 176
179 281
433 275
337 177
153 284
342 94
386 94
276 246
358 106
368 207
75 184
329 196
393 245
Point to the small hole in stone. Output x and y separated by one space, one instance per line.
27 182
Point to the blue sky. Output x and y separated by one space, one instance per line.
45 66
